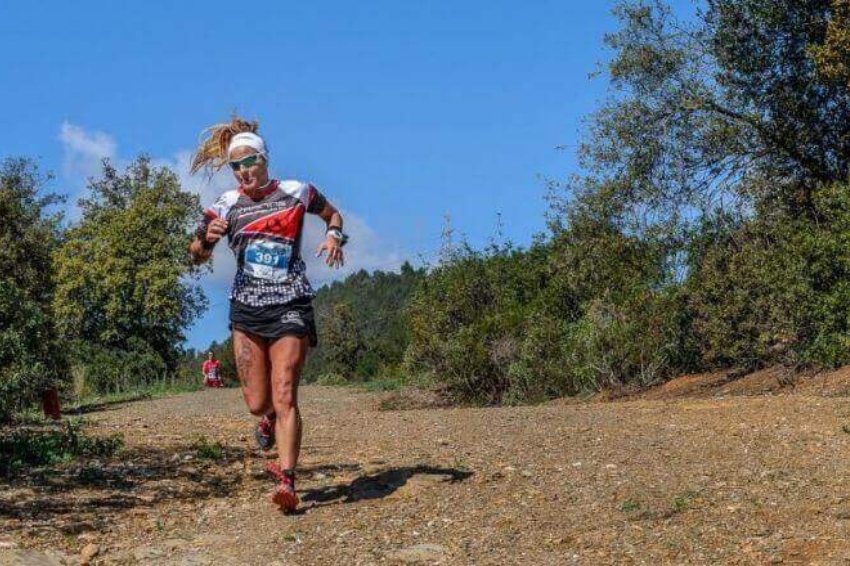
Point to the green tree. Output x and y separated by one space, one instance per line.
726 111
379 307
720 140
706 229
776 289
833 55
343 344
31 359
125 285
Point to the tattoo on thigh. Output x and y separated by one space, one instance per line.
244 361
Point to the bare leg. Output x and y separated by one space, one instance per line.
252 365
287 356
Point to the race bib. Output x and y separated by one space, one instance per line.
267 260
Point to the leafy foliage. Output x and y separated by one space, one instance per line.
27 447
124 292
465 316
776 289
511 326
363 326
344 343
708 229
729 140
31 359
832 57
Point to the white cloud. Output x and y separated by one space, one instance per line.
84 151
365 250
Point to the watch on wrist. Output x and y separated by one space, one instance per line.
338 235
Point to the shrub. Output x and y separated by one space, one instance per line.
31 359
776 289
464 318
24 447
643 340
101 370
207 450
589 308
331 378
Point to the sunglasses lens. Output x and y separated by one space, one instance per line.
246 162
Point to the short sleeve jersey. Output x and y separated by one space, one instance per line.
265 236
210 368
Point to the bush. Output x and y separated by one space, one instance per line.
331 378
589 308
464 319
776 289
644 340
31 359
24 448
538 366
100 370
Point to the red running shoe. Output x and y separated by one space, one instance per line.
264 434
284 493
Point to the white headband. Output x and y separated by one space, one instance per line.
247 139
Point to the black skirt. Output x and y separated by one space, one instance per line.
295 318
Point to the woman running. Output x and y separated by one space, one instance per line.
271 315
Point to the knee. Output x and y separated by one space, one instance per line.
257 405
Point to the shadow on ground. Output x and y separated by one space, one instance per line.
91 493
100 406
87 493
377 486
327 469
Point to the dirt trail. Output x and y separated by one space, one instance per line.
736 480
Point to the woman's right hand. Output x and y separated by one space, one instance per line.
215 231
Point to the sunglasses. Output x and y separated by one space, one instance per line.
246 162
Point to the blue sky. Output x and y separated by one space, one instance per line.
403 113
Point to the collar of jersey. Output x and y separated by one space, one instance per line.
264 192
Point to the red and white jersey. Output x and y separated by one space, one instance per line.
210 368
265 236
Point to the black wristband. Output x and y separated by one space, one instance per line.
338 234
207 245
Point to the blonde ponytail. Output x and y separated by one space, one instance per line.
212 150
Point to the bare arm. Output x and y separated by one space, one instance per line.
333 220
201 249
197 252
331 216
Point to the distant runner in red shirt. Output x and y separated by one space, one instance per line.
212 377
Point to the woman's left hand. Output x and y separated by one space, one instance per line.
335 257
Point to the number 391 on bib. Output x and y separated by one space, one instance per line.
267 260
